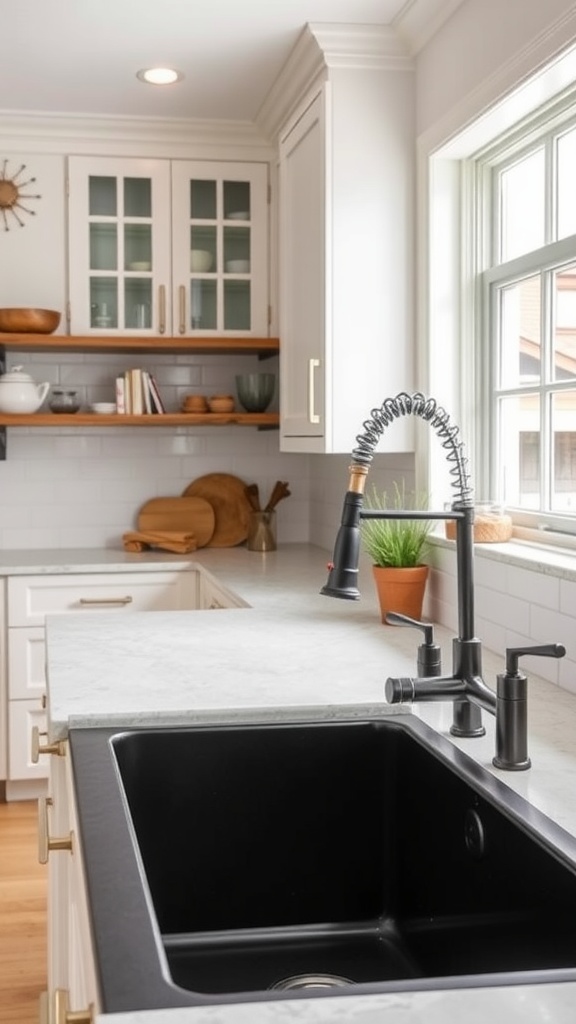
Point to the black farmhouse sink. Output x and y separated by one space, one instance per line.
278 861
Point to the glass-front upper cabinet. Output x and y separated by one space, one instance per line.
160 247
219 229
120 257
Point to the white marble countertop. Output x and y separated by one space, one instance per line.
295 654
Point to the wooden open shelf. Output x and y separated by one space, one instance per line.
169 419
264 348
137 343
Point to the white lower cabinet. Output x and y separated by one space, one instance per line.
23 717
28 600
72 976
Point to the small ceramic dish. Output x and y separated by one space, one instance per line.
238 266
140 265
103 408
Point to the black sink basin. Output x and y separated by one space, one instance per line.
273 861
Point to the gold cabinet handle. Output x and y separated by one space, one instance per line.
182 309
62 1013
106 600
46 842
162 309
36 748
313 365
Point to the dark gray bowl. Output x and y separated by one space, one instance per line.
255 390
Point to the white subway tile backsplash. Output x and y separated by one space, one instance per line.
537 588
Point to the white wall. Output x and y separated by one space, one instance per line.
469 52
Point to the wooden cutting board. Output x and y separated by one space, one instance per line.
181 515
227 496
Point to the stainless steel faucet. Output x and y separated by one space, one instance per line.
465 686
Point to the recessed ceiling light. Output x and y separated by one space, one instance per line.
159 76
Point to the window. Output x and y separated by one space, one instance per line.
526 195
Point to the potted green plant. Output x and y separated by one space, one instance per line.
397 548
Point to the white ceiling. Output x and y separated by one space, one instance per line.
81 56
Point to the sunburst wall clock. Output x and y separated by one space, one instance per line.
12 194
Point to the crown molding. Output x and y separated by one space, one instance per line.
321 48
419 20
27 130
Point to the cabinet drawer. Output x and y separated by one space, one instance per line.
26 663
23 715
31 598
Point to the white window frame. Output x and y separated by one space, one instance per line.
454 246
539 131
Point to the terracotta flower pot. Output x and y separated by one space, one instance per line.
401 590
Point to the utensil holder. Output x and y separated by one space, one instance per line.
262 531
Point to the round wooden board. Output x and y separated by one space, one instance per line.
227 496
182 515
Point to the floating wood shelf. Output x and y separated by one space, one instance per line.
264 348
136 343
169 419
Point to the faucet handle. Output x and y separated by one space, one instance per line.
543 651
429 653
398 619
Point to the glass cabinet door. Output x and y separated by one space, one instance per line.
219 259
119 239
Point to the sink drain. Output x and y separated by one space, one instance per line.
299 981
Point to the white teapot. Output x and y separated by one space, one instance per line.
19 393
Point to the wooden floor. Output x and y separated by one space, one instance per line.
22 915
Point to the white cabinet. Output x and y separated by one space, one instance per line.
213 595
72 976
28 600
346 207
163 247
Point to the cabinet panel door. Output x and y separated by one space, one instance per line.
26 663
220 263
82 983
119 217
23 715
31 598
303 249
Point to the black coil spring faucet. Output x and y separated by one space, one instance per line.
465 686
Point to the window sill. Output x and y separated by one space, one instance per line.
547 559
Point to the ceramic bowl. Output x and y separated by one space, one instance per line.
103 408
141 265
255 390
238 266
200 260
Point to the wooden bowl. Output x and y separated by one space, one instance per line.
29 321
221 403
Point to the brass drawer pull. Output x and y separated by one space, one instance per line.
62 1015
106 600
36 748
46 843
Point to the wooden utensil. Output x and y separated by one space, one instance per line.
227 496
192 515
279 491
253 495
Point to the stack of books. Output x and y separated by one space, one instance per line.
137 394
